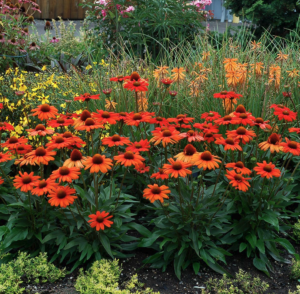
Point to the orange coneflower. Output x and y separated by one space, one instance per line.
273 143
66 174
181 119
192 135
40 130
160 175
134 119
115 140
75 159
229 143
267 170
226 120
239 167
82 118
21 149
177 168
241 133
74 140
206 160
89 124
43 187
210 137
291 147
38 156
142 145
227 95
207 127
294 130
237 180
142 168
129 158
137 86
98 163
105 117
155 192
287 115
4 126
187 154
243 118
13 142
100 220
59 142
45 111
178 74
25 181
4 157
62 196
159 121
210 116
119 78
260 123
166 136
60 122
87 97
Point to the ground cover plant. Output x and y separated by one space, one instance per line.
156 159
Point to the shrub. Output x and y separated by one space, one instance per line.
280 16
296 292
103 278
243 283
296 231
29 270
295 270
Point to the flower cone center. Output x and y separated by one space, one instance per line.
128 155
259 120
97 159
89 122
268 168
243 115
227 118
238 178
206 156
211 114
137 116
59 140
155 190
105 114
13 140
273 139
61 194
116 138
167 133
240 109
64 171
26 180
292 144
135 76
138 145
40 128
100 219
229 141
85 115
177 166
40 151
67 135
136 84
42 184
241 131
45 108
76 155
285 112
60 121
189 150
239 164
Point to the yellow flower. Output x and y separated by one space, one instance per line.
178 74
88 67
233 78
44 68
64 105
293 73
230 64
281 56
255 45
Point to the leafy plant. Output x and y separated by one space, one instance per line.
295 270
296 231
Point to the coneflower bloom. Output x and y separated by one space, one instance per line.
62 196
25 182
291 147
207 127
4 126
82 118
227 95
273 143
60 122
74 140
155 192
134 119
241 133
98 163
137 86
119 79
178 127
45 111
239 167
229 143
279 107
181 119
38 156
243 118
142 145
211 137
105 117
33 46
66 174
13 142
87 97
166 136
206 160
237 180
89 124
226 120
267 170
260 123
240 109
115 140
294 130
43 187
40 130
100 220
129 158
210 116
159 121
192 135
4 157
167 82
76 159
177 168
160 175
142 168
187 154
287 115
21 149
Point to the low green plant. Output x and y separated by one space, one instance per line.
27 269
295 270
296 292
103 278
296 231
243 283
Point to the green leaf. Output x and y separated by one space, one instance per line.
3 231
195 241
106 244
141 229
251 238
243 246
271 218
178 262
219 269
196 267
260 265
286 244
260 244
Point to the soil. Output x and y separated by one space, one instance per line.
167 283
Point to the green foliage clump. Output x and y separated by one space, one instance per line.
295 270
296 231
296 292
243 283
31 270
103 278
